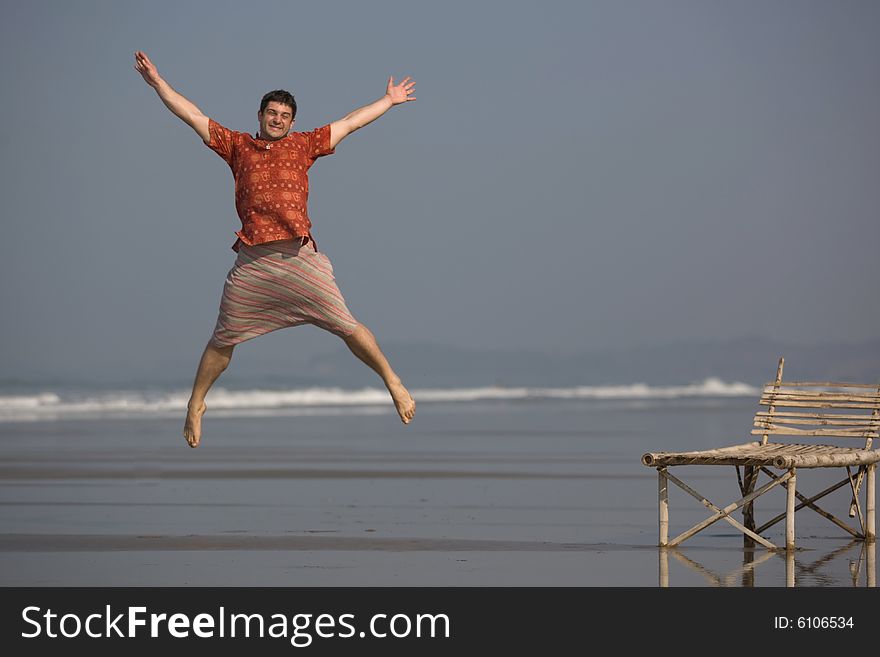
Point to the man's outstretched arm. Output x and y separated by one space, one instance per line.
180 106
394 95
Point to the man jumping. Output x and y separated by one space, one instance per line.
279 278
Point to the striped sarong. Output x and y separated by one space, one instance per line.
276 285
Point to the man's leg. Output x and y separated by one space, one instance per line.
214 361
364 346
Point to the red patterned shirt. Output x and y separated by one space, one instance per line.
271 180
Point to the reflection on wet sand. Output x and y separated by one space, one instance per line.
800 569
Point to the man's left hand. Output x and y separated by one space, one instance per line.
400 93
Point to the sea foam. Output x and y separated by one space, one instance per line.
52 405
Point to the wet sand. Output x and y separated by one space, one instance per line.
503 494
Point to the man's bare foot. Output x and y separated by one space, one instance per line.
192 428
403 401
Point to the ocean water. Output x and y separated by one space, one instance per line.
325 487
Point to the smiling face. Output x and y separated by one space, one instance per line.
275 120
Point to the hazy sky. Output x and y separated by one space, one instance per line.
573 176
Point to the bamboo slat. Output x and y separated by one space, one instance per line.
785 430
826 421
807 386
817 404
779 455
824 384
834 417
822 397
829 431
834 459
863 389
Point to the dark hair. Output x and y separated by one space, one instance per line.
279 96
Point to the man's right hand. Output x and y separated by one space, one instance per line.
182 107
147 69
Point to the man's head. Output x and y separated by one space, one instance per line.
276 115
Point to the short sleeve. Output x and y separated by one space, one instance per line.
222 140
319 142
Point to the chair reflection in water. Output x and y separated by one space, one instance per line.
862 570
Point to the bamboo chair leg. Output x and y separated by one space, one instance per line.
663 555
855 498
750 473
663 495
789 511
789 568
809 502
871 564
870 503
724 514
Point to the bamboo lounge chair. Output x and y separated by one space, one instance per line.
831 412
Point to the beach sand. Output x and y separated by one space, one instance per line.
489 494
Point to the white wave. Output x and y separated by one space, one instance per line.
51 405
28 401
711 387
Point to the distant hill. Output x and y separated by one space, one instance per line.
749 360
